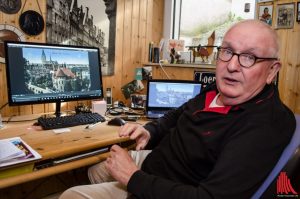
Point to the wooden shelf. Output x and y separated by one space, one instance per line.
197 65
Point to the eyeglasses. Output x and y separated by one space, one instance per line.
246 60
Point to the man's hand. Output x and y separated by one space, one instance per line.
136 132
120 165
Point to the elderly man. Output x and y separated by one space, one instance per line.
221 144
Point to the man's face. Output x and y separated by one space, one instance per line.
238 84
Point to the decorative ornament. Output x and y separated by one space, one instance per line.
9 33
31 22
10 6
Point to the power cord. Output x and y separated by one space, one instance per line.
160 64
3 106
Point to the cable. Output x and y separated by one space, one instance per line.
163 69
3 106
7 121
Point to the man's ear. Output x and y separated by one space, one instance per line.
273 70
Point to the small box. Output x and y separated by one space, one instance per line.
99 106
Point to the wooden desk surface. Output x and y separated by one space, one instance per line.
51 145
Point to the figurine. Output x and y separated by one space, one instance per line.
203 51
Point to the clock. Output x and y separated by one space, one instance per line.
9 33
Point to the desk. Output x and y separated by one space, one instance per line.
51 146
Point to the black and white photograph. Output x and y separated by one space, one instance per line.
285 15
84 23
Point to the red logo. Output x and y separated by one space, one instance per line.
284 187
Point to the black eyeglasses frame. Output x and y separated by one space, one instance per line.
256 59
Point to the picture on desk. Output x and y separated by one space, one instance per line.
131 88
54 71
138 101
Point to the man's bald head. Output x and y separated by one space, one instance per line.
258 27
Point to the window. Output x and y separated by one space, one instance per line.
194 21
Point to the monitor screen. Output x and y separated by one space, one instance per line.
171 93
45 73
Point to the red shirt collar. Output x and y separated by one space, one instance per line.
209 98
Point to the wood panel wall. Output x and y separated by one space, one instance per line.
138 23
289 76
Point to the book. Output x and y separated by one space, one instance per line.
15 151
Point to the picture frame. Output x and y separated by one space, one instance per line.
285 15
263 1
298 12
265 13
88 23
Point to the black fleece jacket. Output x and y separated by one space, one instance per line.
201 152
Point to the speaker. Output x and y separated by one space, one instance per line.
109 100
156 55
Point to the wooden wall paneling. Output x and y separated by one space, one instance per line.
144 37
173 73
289 74
7 111
135 48
282 73
285 76
296 62
126 72
158 8
114 81
148 34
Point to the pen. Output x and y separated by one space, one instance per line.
92 125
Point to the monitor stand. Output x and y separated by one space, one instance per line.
57 109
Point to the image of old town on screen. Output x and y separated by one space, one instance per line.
47 73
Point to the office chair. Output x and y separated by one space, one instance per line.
289 162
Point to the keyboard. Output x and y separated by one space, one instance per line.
69 120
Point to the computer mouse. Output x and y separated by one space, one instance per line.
116 122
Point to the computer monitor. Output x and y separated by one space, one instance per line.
47 73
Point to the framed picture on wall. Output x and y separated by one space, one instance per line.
84 23
285 15
298 12
265 13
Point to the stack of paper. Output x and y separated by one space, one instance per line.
14 151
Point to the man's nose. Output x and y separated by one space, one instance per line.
234 64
